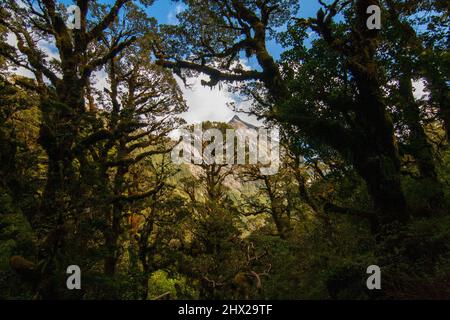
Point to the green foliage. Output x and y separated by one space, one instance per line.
86 176
161 282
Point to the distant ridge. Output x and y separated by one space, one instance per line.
241 124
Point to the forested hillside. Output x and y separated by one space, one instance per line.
87 176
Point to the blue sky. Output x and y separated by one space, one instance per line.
212 104
204 103
165 12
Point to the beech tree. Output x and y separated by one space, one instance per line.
353 119
144 100
61 84
88 179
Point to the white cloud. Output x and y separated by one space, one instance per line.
12 41
172 15
420 89
48 48
211 104
100 80
204 103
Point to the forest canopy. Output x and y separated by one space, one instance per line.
87 177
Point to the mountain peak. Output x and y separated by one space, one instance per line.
240 124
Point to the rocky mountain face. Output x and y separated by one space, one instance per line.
243 128
251 146
238 123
